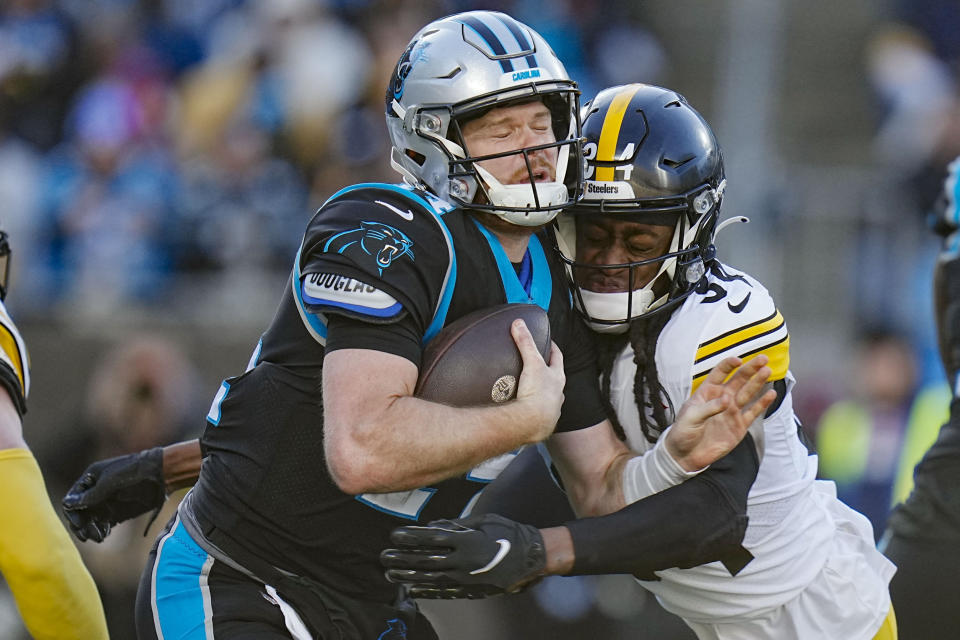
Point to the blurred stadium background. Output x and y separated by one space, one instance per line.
159 158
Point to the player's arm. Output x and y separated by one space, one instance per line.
700 521
55 594
116 489
380 438
600 475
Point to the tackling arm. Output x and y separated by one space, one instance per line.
700 521
601 475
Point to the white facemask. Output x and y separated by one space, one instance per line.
613 306
521 196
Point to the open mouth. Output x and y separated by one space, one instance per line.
537 174
541 175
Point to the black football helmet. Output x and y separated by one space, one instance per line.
651 158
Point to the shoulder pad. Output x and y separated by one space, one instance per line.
737 317
374 251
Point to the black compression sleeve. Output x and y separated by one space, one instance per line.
699 521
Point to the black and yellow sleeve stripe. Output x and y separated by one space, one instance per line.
768 336
14 361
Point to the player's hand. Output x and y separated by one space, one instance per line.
945 216
468 558
114 490
540 387
715 418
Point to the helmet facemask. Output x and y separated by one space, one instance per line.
651 160
681 267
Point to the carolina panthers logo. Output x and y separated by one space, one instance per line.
376 239
401 72
413 54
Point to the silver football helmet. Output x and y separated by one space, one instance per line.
652 159
458 68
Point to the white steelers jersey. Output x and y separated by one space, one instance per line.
793 519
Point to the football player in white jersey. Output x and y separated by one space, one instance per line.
639 249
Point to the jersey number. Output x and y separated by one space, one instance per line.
406 504
409 504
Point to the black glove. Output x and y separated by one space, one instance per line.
472 557
114 490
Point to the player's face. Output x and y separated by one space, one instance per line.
603 240
506 129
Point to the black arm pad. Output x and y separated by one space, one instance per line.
699 521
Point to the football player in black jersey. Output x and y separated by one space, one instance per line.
315 453
923 533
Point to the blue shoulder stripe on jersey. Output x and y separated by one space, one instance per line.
315 325
521 39
491 39
541 285
446 293
178 590
388 312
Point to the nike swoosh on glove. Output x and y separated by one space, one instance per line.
471 557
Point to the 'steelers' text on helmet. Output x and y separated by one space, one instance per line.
653 158
458 68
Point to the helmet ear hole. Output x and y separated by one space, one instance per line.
419 158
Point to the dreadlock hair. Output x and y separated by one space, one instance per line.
607 347
648 392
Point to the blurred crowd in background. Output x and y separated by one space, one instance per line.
145 145
160 158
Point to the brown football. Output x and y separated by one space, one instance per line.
474 360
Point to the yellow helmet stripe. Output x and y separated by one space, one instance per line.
610 132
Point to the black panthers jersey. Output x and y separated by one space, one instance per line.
381 267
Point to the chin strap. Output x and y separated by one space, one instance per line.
521 200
